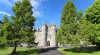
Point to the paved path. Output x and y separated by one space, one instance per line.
50 51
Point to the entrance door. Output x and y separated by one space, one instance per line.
48 43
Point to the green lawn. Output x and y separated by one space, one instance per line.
20 51
83 52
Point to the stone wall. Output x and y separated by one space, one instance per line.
46 36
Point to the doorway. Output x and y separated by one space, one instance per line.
48 43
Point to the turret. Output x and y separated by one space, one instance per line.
44 35
53 32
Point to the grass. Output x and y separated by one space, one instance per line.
20 51
83 51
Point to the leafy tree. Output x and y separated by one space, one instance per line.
93 15
22 23
67 33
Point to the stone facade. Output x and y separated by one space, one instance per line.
46 36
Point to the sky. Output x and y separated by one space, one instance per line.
45 11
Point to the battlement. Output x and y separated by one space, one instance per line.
47 26
46 35
38 29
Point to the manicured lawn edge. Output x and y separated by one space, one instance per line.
21 51
74 53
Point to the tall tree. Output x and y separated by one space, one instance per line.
22 23
3 33
93 15
67 32
86 31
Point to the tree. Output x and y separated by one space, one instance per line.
67 33
5 32
86 31
96 37
93 15
22 23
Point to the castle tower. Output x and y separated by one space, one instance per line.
53 35
44 35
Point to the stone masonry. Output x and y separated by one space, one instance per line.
46 36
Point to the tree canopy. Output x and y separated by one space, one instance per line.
67 33
20 27
93 15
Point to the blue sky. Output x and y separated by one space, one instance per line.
45 11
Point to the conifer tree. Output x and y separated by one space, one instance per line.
67 32
93 15
22 23
5 32
86 31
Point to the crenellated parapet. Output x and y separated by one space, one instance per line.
46 36
38 29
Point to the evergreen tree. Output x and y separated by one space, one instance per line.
96 37
22 23
67 32
5 32
86 31
93 15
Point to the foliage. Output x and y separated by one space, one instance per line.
5 32
86 31
22 23
67 33
96 37
20 28
93 15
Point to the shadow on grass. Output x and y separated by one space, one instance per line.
28 52
82 50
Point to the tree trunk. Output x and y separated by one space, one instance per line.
14 50
78 50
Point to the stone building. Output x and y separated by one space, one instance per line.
46 36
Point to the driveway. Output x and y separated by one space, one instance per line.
50 51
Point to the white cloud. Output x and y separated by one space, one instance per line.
37 13
4 13
35 3
6 2
36 22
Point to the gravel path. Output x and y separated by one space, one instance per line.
50 51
